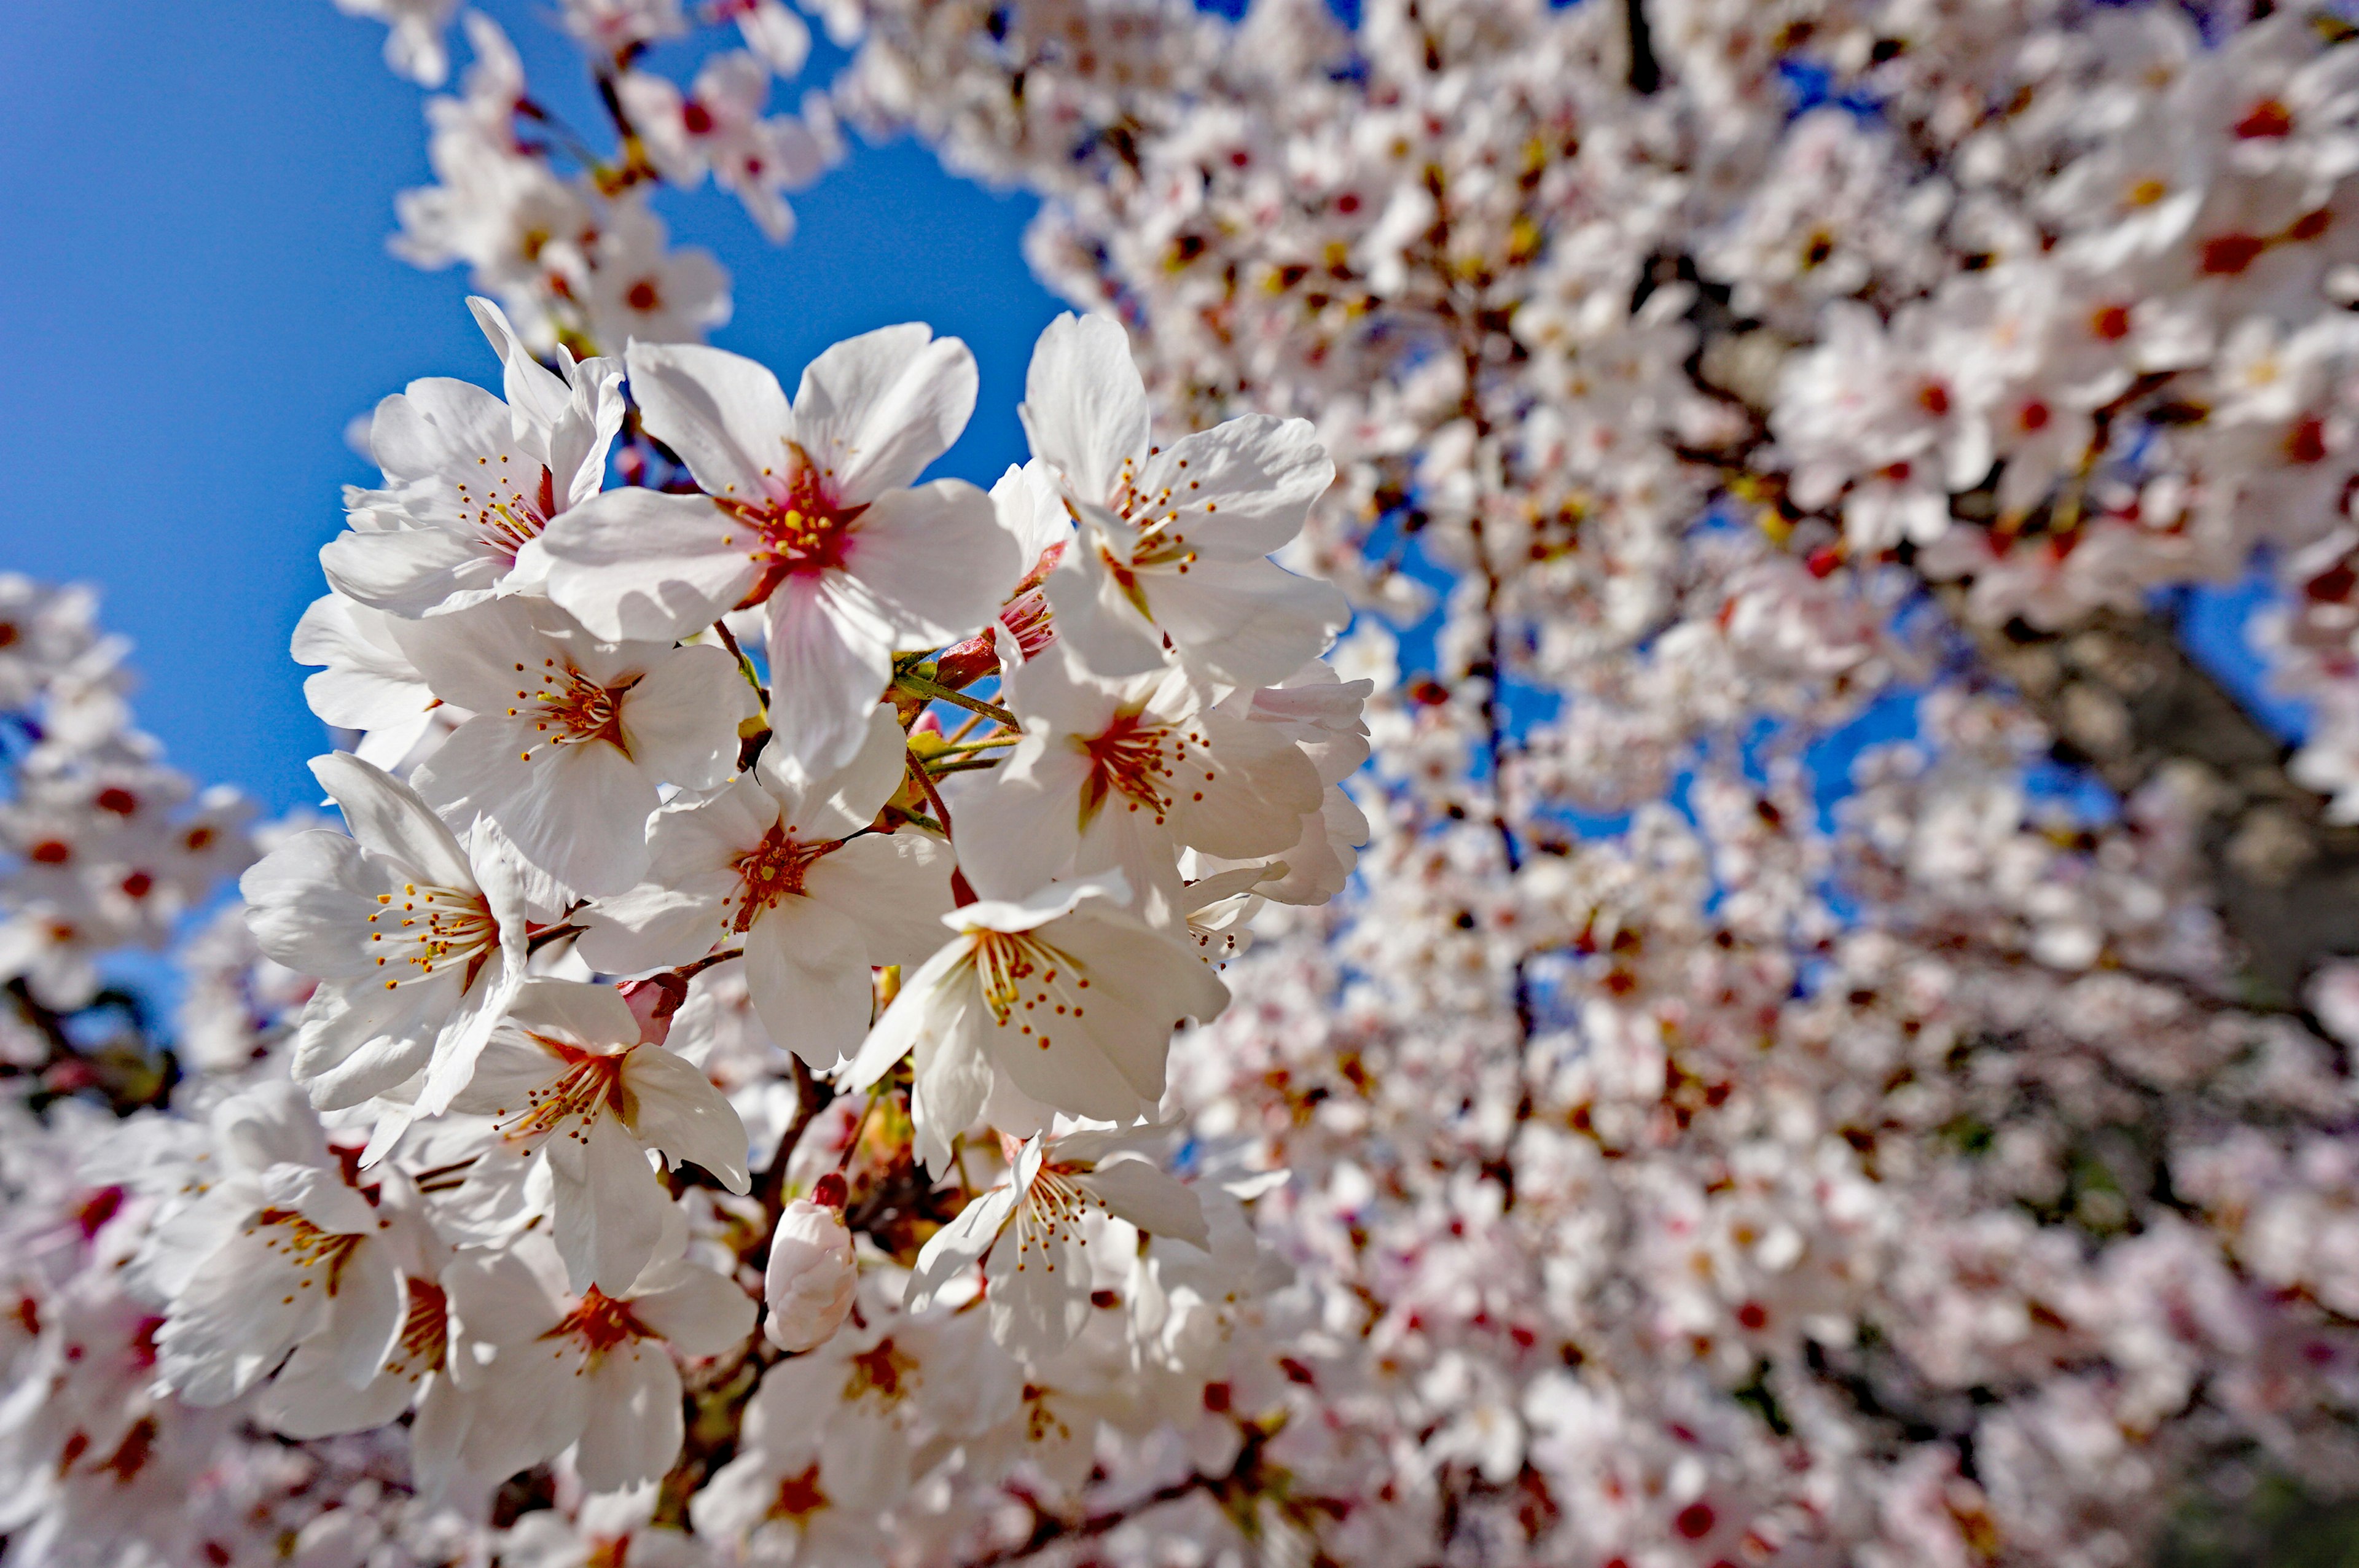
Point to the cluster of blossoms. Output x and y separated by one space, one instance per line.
561 234
696 937
103 848
1837 1048
1702 1153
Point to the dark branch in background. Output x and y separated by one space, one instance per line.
811 1097
128 1065
2125 700
1645 71
1242 1481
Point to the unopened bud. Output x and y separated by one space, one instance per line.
652 1002
811 1277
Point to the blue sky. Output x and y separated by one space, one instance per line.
195 297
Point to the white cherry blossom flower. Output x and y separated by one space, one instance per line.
1119 774
282 1253
1032 1233
472 481
808 508
567 1078
1062 1000
419 945
413 41
1175 539
553 1371
570 737
369 684
782 862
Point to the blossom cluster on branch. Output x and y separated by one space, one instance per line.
717 1100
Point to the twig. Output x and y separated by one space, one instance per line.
937 691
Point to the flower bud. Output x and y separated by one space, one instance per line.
811 1277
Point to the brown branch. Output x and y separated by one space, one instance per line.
2126 700
813 1095
1050 1529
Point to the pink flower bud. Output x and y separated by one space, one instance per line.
653 1001
809 1280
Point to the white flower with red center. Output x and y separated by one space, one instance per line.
417 945
551 1370
800 1490
1032 1233
1121 775
282 1252
783 864
717 126
571 738
1060 1001
569 1078
1174 540
809 510
472 481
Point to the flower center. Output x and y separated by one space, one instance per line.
431 930
589 1084
1020 974
1051 1209
599 1323
425 1330
881 1370
1139 761
770 872
569 709
304 1247
798 1496
504 513
798 531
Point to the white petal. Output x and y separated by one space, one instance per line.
829 660
1106 632
894 888
807 971
1039 1295
678 1110
839 804
359 1039
694 1308
387 815
680 719
639 564
724 414
934 560
632 1433
1135 1191
470 656
958 1246
1244 486
578 812
877 408
1085 406
607 1223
